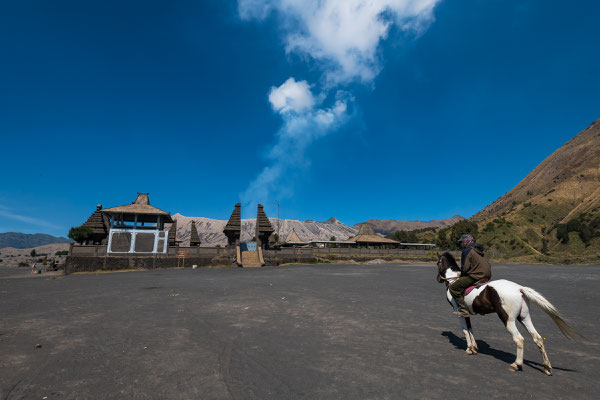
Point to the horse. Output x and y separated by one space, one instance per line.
511 302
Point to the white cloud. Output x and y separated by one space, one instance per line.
287 157
8 213
343 36
291 96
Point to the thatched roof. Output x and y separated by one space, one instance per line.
366 235
293 238
141 205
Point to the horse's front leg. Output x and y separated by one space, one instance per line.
474 348
465 324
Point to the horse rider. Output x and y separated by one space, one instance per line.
475 267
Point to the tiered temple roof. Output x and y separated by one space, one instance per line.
367 236
262 222
194 238
173 234
233 228
264 229
99 224
140 206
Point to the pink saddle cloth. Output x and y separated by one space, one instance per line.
476 286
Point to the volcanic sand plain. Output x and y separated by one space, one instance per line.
327 331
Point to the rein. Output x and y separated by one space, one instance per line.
449 281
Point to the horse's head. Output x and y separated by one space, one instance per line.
445 261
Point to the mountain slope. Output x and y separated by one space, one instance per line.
27 240
391 226
564 187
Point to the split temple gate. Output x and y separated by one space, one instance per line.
248 254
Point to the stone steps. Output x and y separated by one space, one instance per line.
250 259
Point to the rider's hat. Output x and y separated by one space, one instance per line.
465 236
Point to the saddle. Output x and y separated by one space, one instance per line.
477 285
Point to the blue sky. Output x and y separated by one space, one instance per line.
402 109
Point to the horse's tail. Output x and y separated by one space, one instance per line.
548 308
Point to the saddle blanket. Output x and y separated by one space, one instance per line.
476 286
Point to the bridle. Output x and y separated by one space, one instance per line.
447 281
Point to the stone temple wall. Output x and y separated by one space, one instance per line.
92 258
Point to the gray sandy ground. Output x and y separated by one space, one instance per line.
313 332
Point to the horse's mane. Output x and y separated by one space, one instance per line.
453 264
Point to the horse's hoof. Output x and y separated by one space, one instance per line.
548 371
469 352
514 367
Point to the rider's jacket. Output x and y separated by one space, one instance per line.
475 263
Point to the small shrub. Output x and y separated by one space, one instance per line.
80 234
489 227
562 233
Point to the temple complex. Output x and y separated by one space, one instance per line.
139 235
194 238
233 229
99 223
137 227
263 227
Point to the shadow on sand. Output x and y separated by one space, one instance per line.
485 349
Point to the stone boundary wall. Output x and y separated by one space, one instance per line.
94 257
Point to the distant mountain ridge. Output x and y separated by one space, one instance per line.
391 226
210 230
28 240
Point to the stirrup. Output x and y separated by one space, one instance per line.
460 313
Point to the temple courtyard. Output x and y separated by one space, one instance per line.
326 331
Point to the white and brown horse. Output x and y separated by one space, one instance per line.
511 302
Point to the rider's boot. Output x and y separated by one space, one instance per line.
463 310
